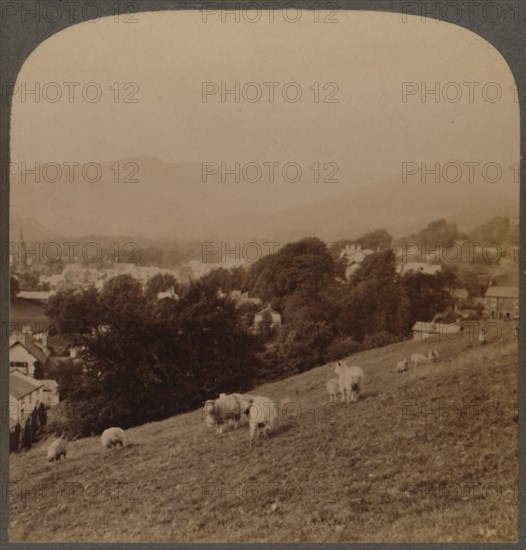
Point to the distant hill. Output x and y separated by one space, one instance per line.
33 231
400 211
171 201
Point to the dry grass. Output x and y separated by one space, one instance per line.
428 455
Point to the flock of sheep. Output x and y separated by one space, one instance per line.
229 412
110 438
235 410
416 360
349 382
260 413
419 359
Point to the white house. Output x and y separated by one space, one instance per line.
25 395
435 331
170 294
24 353
273 317
502 302
354 255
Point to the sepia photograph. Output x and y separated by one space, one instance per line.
260 272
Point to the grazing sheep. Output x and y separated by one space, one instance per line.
112 437
57 449
350 381
225 412
333 386
482 337
261 414
419 359
402 365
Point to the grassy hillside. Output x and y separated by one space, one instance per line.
428 455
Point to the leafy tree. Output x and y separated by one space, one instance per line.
427 294
376 300
377 239
74 311
438 233
301 346
496 230
302 268
150 360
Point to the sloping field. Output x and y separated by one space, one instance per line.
428 455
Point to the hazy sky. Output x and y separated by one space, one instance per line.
368 133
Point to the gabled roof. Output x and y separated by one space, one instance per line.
37 295
269 309
33 348
502 292
20 384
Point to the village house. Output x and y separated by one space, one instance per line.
266 315
54 282
354 255
25 395
435 331
168 294
25 354
502 302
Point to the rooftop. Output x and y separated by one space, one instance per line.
32 347
20 384
502 292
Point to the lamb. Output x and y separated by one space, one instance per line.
333 388
482 337
57 449
350 381
261 414
402 365
419 359
112 437
225 412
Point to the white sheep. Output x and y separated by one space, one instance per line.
333 388
57 449
482 337
112 437
226 412
261 414
402 365
419 359
350 380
